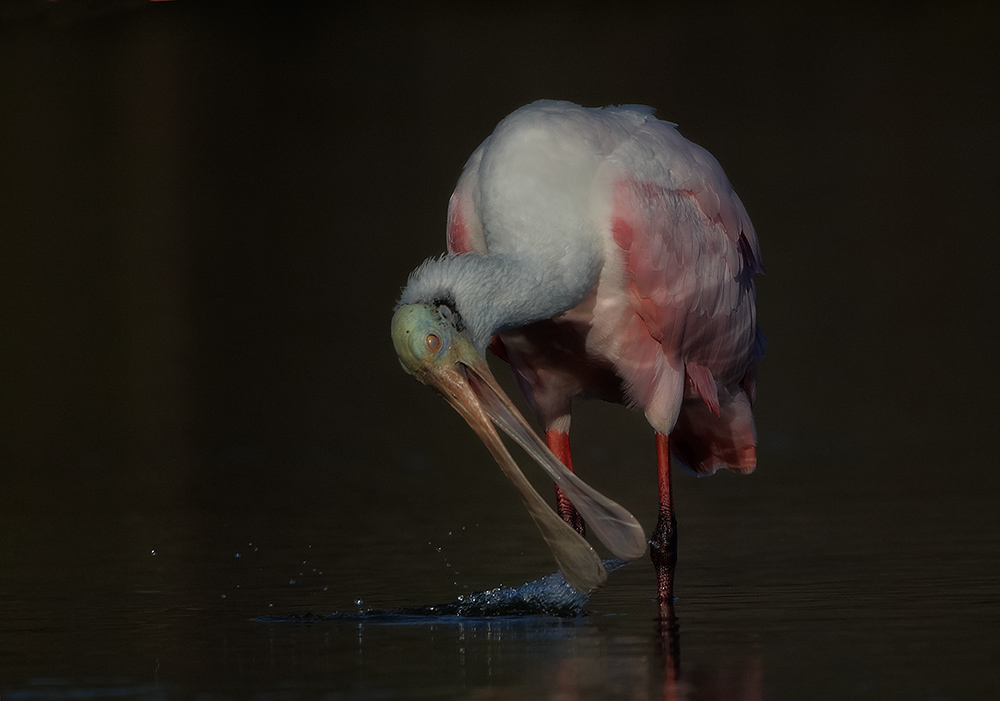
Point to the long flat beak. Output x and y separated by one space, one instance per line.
467 384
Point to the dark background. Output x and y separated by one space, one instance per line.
207 211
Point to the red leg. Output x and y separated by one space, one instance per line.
663 543
559 445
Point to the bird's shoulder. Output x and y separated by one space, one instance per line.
668 188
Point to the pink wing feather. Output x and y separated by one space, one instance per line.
690 254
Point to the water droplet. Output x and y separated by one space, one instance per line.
153 553
270 606
325 588
358 602
439 549
223 596
291 581
237 556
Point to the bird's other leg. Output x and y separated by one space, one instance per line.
559 445
663 543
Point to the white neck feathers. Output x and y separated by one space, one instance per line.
498 290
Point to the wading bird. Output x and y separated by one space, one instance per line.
601 254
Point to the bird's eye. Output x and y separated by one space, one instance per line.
433 343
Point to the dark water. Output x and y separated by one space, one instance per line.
206 213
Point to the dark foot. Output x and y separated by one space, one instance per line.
569 514
663 553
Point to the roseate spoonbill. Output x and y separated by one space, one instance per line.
602 254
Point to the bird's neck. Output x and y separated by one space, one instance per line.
500 290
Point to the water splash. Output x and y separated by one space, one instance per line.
548 596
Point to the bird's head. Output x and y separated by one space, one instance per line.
426 335
434 347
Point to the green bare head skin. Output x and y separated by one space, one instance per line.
426 336
419 333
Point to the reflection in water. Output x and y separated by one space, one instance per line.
668 647
568 658
578 655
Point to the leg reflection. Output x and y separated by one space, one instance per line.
668 645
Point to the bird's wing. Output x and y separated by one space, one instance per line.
690 253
